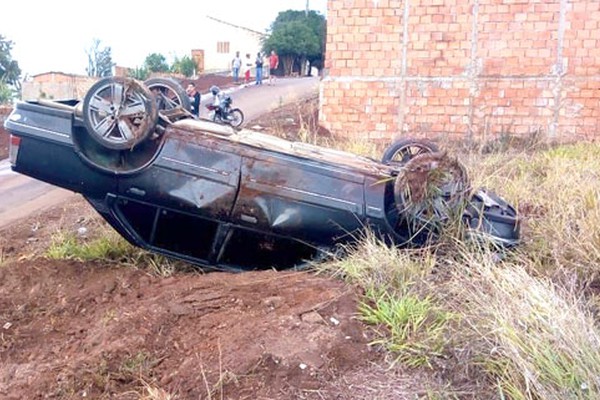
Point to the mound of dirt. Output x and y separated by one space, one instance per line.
98 330
204 82
102 331
293 121
93 330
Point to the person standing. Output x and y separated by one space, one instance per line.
247 68
236 64
194 96
273 65
259 68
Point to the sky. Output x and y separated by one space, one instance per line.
54 35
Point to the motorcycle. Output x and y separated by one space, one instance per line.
224 114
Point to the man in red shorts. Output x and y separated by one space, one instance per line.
273 64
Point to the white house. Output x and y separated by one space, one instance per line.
225 40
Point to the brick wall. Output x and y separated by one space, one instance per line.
56 86
462 68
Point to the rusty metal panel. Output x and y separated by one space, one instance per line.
285 198
190 178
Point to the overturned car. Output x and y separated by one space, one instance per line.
238 199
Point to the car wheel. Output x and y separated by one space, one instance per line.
169 93
403 150
430 192
119 112
236 117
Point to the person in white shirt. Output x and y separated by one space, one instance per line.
236 64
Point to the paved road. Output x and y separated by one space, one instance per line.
21 195
256 100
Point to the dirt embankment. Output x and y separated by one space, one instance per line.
75 329
100 331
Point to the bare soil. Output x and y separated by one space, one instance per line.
100 330
204 82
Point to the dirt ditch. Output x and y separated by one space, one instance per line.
96 330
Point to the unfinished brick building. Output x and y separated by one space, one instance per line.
462 68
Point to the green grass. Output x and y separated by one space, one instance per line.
411 327
516 325
407 323
109 247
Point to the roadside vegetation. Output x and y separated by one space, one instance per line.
102 243
518 324
485 322
10 72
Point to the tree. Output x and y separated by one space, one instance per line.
10 73
6 93
100 62
184 65
156 63
139 73
297 37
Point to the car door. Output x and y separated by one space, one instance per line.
299 198
181 201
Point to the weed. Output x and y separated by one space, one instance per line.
408 324
537 339
108 246
137 366
215 391
371 264
108 317
414 328
155 393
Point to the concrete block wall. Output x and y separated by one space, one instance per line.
56 86
462 68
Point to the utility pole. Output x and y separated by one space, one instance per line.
306 12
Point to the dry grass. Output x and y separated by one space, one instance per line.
152 392
522 323
535 339
557 192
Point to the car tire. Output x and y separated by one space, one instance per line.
430 192
169 93
402 151
119 113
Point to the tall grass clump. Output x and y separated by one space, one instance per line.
108 246
407 321
557 192
410 326
371 264
534 339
